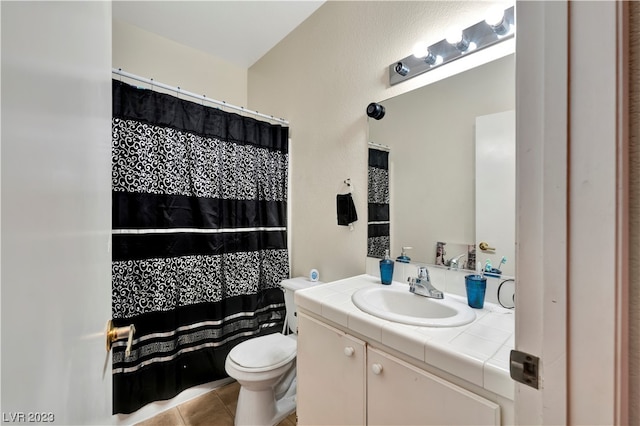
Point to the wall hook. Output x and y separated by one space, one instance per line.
348 183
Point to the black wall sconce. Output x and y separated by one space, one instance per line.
375 110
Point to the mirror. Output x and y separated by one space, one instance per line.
431 135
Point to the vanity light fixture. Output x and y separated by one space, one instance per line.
421 51
432 59
495 19
458 40
401 69
498 26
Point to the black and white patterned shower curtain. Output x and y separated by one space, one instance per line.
378 226
199 239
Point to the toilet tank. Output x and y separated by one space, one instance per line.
290 286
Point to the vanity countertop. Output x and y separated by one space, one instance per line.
477 352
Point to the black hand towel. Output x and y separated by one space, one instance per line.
346 209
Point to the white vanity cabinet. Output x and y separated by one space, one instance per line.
400 393
331 373
343 381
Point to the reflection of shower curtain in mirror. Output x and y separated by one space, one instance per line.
378 225
199 239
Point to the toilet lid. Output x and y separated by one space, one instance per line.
272 350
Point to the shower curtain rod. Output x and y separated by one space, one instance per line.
152 82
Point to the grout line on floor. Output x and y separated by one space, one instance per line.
184 421
226 407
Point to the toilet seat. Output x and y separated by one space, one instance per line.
263 353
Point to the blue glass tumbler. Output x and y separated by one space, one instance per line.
476 287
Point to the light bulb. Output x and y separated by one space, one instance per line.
494 16
495 19
420 50
459 40
454 36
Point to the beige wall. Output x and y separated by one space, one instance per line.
321 78
148 55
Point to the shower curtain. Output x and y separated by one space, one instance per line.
199 239
378 240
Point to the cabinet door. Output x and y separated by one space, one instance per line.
399 393
331 369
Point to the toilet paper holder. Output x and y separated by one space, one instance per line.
119 333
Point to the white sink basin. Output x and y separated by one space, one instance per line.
396 303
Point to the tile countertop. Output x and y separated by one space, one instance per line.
477 352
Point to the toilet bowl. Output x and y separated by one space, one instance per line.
265 369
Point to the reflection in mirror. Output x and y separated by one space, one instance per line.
431 135
495 190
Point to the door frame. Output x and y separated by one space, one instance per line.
572 210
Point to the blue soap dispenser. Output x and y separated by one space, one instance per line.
403 258
386 269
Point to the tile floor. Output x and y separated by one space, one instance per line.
215 408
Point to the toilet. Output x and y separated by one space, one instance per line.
265 368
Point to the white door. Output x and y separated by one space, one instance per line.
56 211
496 189
571 245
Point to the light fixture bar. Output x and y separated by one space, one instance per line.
482 35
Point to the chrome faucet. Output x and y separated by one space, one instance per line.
422 285
455 262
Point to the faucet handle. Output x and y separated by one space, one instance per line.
423 273
412 284
455 262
